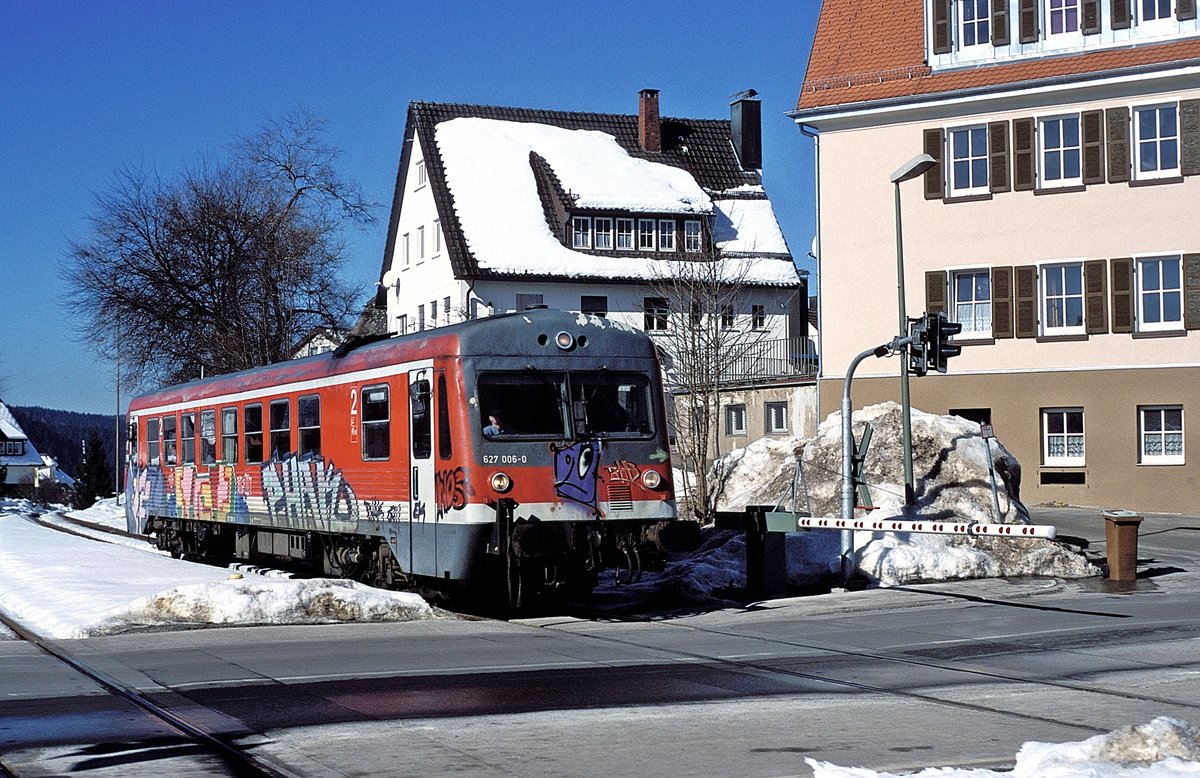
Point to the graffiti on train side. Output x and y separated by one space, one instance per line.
450 491
307 489
377 511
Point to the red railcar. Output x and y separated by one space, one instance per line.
525 451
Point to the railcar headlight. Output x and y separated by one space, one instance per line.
501 482
651 479
564 340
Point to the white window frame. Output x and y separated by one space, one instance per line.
1062 8
646 235
437 237
421 243
407 250
972 158
692 236
1163 293
967 20
666 234
625 235
656 313
1158 438
1046 274
758 317
1064 150
975 313
1065 437
1139 6
422 175
735 420
602 234
581 232
775 420
1158 142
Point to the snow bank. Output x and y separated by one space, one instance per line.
951 481
1164 748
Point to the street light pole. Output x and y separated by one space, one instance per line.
911 169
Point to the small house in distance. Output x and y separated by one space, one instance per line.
20 461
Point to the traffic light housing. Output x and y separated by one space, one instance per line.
918 349
938 331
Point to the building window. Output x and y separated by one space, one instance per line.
422 177
420 318
655 312
1062 437
603 232
696 313
1063 16
735 419
1060 151
692 236
254 434
973 301
625 234
1160 294
437 237
402 323
1062 299
407 249
281 428
421 242
1161 433
208 437
727 317
594 305
758 317
308 410
666 235
376 423
973 22
776 420
527 300
446 308
1156 140
433 313
646 234
581 232
968 160
1153 10
229 436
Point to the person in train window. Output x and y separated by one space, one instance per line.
496 427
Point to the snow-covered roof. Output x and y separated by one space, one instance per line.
9 428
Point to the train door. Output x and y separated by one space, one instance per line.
422 523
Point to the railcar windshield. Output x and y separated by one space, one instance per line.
537 404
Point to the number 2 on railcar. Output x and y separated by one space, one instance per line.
520 453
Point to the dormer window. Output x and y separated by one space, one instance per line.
1153 10
692 240
625 234
581 232
666 234
646 234
602 235
1063 16
974 20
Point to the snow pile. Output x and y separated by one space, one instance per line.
1164 748
951 481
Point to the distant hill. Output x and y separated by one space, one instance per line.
61 434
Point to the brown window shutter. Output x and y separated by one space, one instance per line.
1121 18
998 157
1122 294
1027 11
1090 11
1023 158
935 291
1189 137
941 26
934 142
1191 291
999 22
1095 297
1002 312
1117 134
1025 301
1185 9
1091 125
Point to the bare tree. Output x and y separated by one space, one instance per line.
693 310
225 266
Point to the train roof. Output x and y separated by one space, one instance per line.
524 332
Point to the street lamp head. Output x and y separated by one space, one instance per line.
913 168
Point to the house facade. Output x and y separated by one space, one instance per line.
19 459
498 209
1056 226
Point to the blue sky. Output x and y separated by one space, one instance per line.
87 87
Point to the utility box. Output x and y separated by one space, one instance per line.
1121 538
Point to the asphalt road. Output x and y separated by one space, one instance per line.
897 679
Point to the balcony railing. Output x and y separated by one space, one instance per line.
767 360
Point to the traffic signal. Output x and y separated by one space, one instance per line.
938 330
919 347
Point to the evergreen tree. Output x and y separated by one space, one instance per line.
95 474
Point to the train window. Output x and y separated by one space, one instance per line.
187 438
376 423
254 433
520 404
420 429
445 445
229 432
152 442
168 428
308 412
208 437
611 404
281 428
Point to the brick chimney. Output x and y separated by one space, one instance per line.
745 123
649 126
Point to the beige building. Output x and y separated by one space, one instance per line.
1058 227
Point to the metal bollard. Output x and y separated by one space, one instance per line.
1121 537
